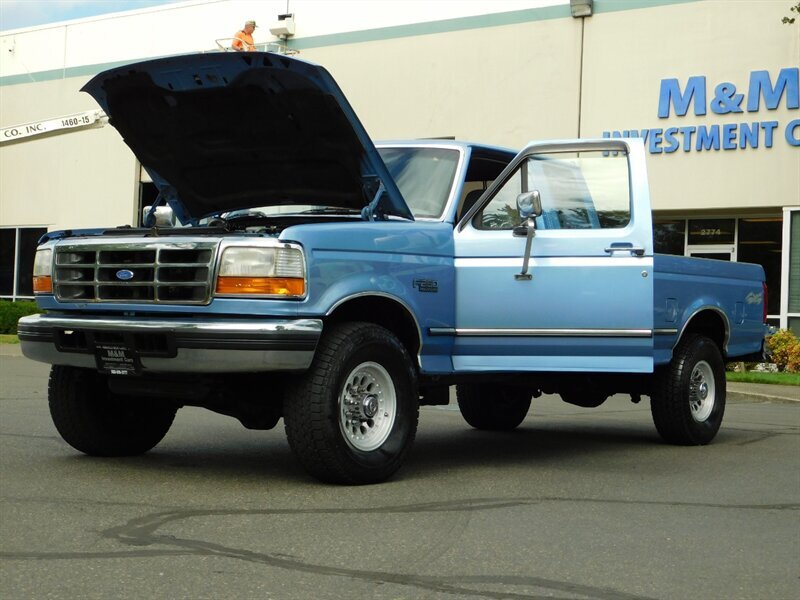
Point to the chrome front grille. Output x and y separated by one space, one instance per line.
150 272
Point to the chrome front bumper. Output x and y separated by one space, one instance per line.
174 345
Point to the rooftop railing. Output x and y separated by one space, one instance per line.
226 45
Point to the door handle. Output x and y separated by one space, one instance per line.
625 247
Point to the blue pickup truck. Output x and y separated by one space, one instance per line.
314 276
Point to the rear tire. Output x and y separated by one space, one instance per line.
96 422
352 417
493 407
688 399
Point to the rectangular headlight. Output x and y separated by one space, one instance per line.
262 271
43 271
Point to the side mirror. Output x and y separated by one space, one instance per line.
529 204
163 217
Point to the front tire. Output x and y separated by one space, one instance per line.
352 417
96 422
688 401
493 407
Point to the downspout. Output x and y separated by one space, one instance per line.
580 78
580 9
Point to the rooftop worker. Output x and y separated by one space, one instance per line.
243 39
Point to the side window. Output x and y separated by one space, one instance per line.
484 167
578 191
501 212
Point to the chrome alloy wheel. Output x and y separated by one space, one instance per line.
702 391
367 406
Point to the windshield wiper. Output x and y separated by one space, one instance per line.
331 210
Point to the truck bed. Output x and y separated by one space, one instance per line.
684 286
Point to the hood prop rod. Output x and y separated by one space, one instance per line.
372 211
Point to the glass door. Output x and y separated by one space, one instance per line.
712 238
716 252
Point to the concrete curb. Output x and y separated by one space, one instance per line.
751 392
744 397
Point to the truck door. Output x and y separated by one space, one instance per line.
585 301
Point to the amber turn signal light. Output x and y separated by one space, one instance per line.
42 284
265 286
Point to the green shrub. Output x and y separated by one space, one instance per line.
784 350
10 312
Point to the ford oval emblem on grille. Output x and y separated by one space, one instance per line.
124 275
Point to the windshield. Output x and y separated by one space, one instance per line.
424 176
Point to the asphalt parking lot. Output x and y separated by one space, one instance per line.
577 503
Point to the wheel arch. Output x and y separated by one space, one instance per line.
384 310
711 322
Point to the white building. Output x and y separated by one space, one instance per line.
712 85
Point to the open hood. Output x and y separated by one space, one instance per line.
225 131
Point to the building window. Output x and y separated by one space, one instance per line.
8 245
711 231
756 240
17 250
670 237
760 243
790 299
